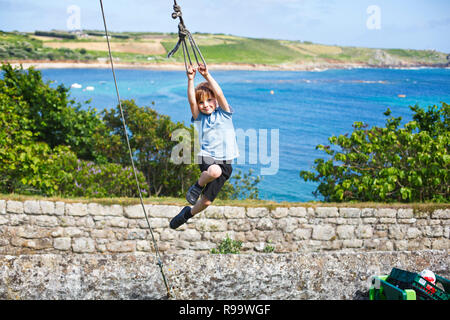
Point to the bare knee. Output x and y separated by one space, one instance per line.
214 171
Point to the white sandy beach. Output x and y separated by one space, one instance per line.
322 66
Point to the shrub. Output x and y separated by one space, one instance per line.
228 246
409 164
150 139
31 166
86 179
241 186
54 118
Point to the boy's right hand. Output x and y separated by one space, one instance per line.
191 72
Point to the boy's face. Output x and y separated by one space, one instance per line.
208 105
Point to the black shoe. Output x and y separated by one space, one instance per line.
180 218
193 194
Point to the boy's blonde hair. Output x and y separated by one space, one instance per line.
203 92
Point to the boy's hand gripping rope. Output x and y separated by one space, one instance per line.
159 263
183 32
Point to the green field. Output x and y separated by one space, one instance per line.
151 47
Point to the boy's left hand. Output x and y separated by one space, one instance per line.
203 70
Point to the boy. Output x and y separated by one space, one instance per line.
211 115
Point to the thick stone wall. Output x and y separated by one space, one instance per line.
38 226
64 250
293 276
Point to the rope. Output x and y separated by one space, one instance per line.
183 32
158 256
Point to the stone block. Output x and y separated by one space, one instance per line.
3 220
287 225
413 233
257 212
388 220
62 244
234 212
264 224
76 209
440 244
386 213
350 212
60 208
169 234
154 223
73 232
31 207
95 209
396 232
323 233
211 225
345 232
297 212
121 246
44 221
47 207
162 211
143 245
118 222
214 212
367 213
135 212
441 214
364 232
190 235
83 245
327 212
239 225
433 231
279 213
14 206
2 206
405 213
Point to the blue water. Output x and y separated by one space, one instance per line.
306 107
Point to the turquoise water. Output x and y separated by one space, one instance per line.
306 107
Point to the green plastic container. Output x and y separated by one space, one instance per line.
405 285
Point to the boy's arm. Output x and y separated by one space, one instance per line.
191 92
223 103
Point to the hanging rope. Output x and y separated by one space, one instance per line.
158 256
183 32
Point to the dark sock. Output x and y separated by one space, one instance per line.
187 214
198 186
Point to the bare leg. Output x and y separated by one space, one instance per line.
209 175
201 205
206 177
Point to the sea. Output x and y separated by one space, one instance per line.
281 116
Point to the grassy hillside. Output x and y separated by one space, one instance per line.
152 47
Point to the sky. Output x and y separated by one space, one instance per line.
412 24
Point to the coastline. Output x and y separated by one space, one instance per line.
320 66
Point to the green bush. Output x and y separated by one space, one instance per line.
29 165
150 139
50 146
86 179
25 165
228 246
409 164
241 186
55 119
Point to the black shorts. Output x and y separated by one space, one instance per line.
211 190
